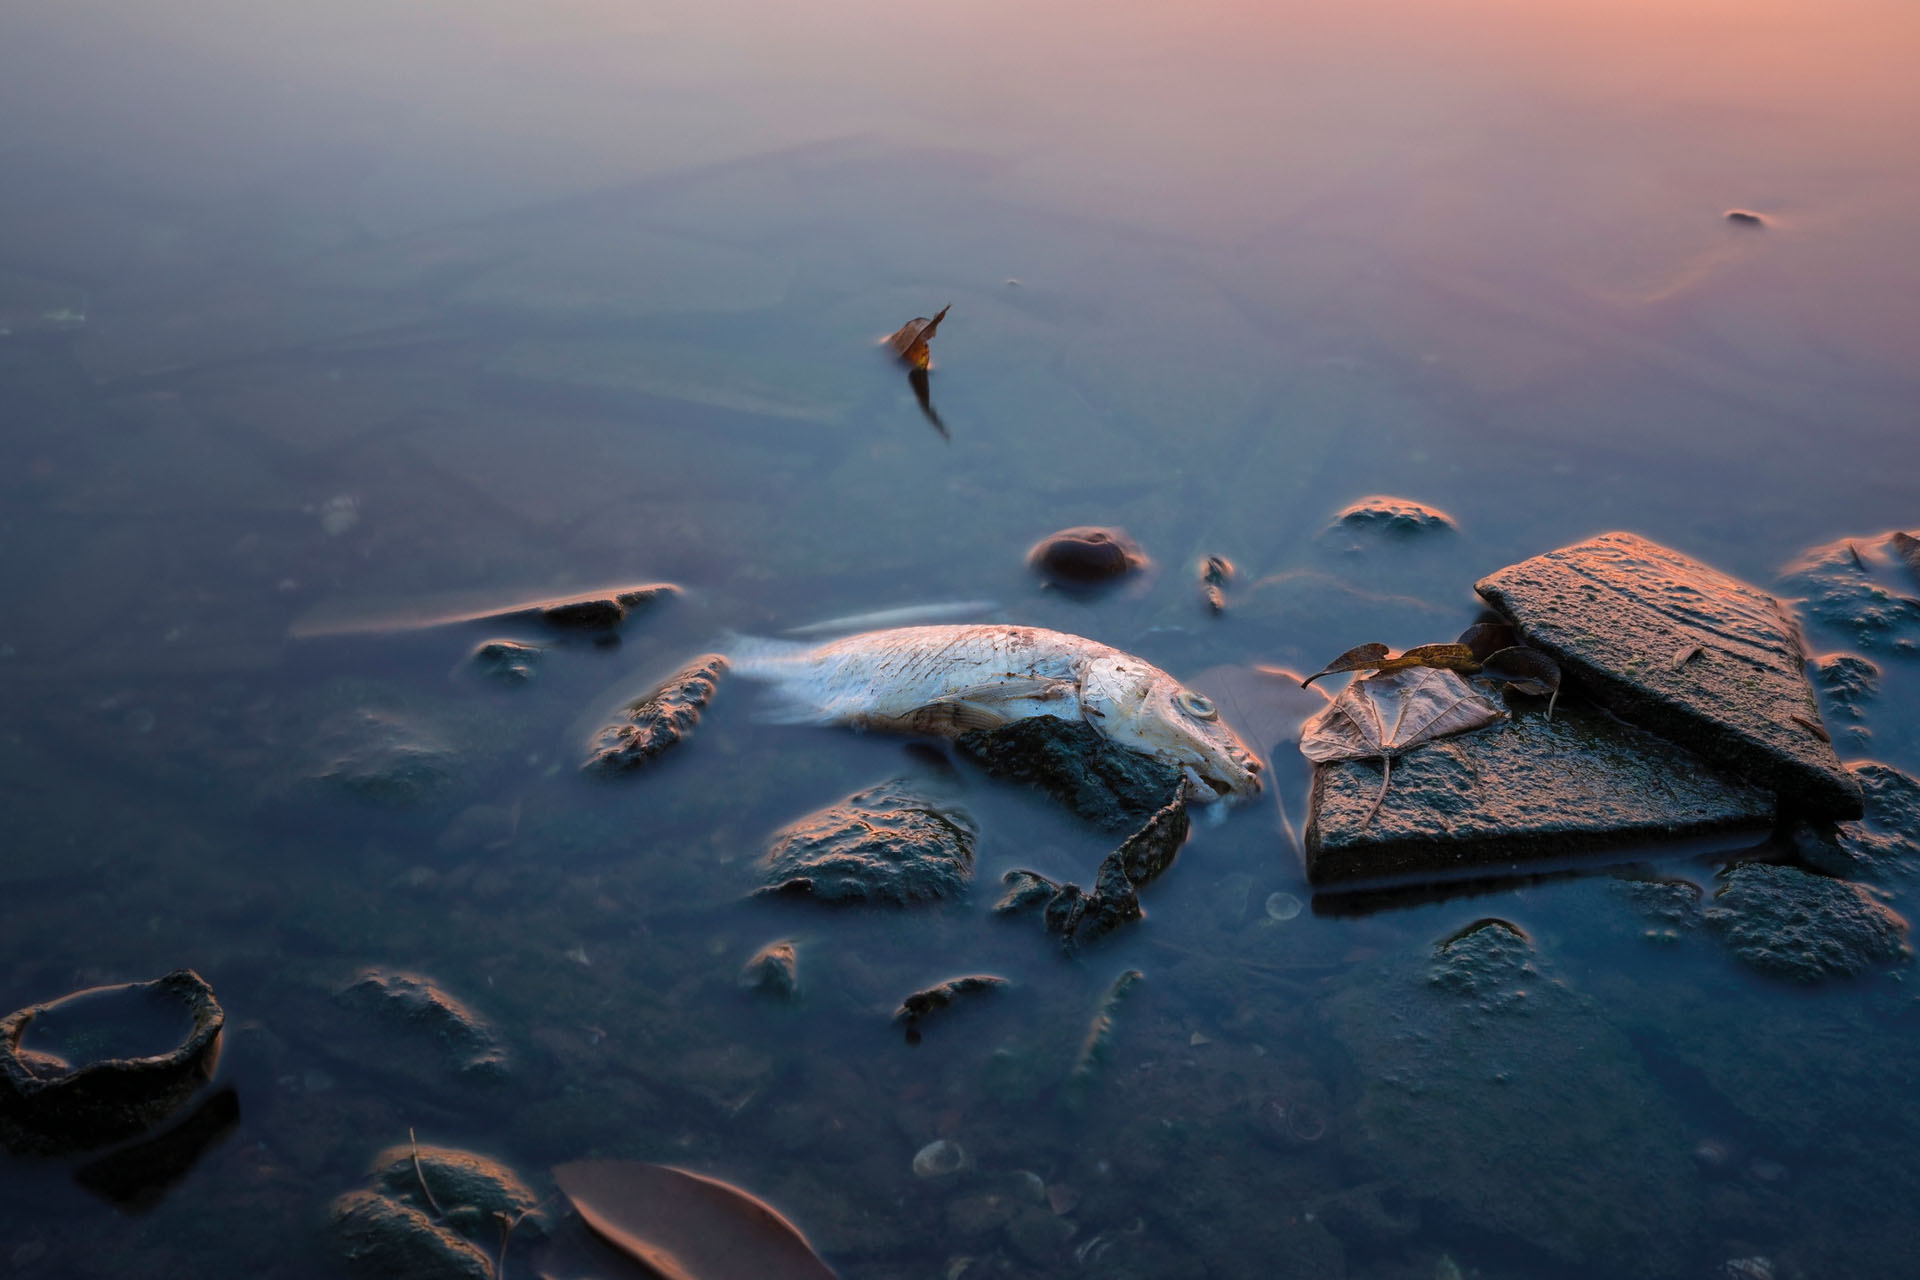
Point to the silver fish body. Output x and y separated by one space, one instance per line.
946 680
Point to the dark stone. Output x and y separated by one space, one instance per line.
1086 556
1884 847
1686 651
135 1177
1025 891
1745 218
889 843
1108 785
1507 1104
451 1032
594 611
382 757
508 661
1802 926
1907 548
915 1008
1527 788
1078 917
774 969
105 1064
1857 588
1392 517
471 1192
382 1239
660 720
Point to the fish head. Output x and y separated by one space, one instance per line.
1143 708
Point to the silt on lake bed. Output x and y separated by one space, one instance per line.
400 410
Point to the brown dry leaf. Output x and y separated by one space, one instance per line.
1373 657
1485 638
1528 670
1379 717
909 341
685 1226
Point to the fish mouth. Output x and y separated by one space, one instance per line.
1237 782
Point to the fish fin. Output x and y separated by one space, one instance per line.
757 657
1036 688
947 716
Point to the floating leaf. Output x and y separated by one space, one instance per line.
1528 670
910 340
1487 638
685 1226
1373 657
1382 716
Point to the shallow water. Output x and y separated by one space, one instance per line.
333 312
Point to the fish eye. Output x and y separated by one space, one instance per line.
1195 705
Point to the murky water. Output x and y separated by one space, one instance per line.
346 312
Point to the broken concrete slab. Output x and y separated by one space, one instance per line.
1531 787
1690 653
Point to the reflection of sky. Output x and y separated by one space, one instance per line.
1526 197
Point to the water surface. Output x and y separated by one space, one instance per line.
332 310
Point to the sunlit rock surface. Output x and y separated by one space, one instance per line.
660 720
1071 761
1499 1097
1686 651
1864 590
1527 788
891 843
1803 926
428 1033
1382 516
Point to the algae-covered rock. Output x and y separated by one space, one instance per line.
382 1239
660 720
1692 654
888 844
1803 926
1532 787
1071 761
1502 1100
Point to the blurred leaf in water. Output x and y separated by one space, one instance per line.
687 1227
1382 716
1528 670
910 340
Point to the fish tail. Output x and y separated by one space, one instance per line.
782 664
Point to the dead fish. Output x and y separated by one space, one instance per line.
946 680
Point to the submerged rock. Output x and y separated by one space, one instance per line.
887 844
1079 917
592 611
774 969
1381 515
439 1027
914 1009
1108 785
472 1192
1528 788
105 1064
1458 1057
1803 926
1884 846
1085 556
508 661
1857 587
383 757
1686 651
382 1239
1849 682
658 721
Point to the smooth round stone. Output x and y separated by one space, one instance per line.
1086 556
